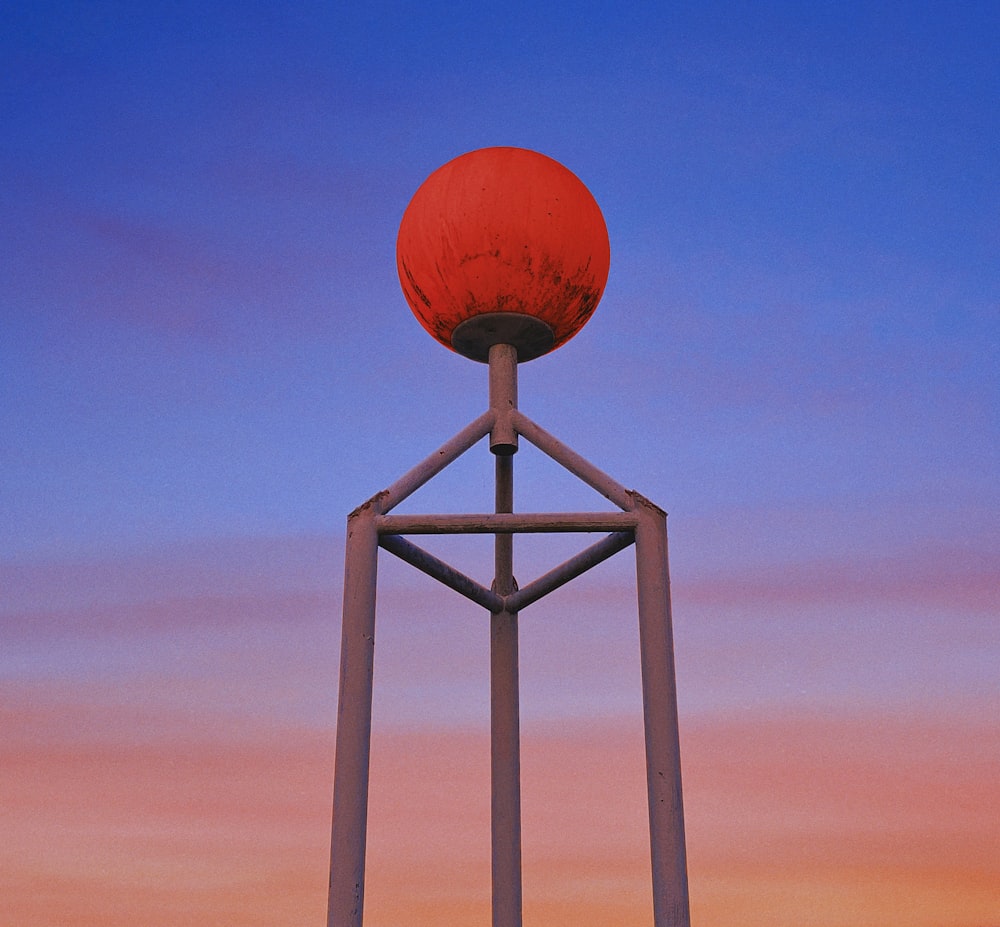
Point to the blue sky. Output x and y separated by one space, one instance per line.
797 350
207 348
207 361
202 302
796 355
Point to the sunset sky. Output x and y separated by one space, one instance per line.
206 362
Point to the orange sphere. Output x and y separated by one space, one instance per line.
503 245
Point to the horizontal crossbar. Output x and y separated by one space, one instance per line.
504 523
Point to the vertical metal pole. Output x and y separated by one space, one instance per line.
659 699
503 399
354 716
505 745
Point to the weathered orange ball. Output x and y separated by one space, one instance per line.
503 245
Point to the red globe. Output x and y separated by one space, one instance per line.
503 245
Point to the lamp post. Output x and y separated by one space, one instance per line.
503 256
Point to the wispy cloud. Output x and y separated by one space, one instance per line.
889 818
955 578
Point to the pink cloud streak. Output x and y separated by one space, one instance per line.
791 819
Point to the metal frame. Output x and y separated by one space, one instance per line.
638 522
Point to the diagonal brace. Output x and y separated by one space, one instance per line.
520 599
441 571
428 468
572 568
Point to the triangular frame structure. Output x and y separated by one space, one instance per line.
637 521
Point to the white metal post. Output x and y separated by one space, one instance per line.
354 717
659 699
505 732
